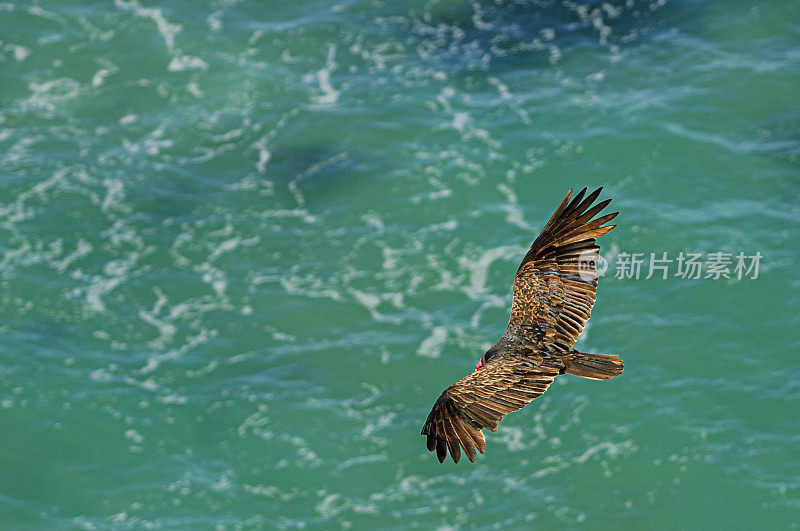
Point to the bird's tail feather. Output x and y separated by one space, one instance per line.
593 366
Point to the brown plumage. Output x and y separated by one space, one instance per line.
554 291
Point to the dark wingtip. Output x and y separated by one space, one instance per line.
441 450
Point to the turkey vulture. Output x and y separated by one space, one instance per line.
554 291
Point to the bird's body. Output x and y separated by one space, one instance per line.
554 291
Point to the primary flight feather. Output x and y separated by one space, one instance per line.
554 290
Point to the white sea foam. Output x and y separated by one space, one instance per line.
432 346
607 450
100 76
134 436
479 269
515 215
329 94
371 302
179 63
165 28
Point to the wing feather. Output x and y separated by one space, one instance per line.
556 284
453 442
479 400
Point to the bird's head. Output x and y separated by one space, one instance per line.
491 353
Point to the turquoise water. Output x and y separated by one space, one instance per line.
245 245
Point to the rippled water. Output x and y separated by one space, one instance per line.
245 245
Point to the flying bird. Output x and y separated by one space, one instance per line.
554 290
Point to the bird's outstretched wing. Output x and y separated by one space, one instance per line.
554 292
556 284
479 400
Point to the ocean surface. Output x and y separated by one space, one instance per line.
245 245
